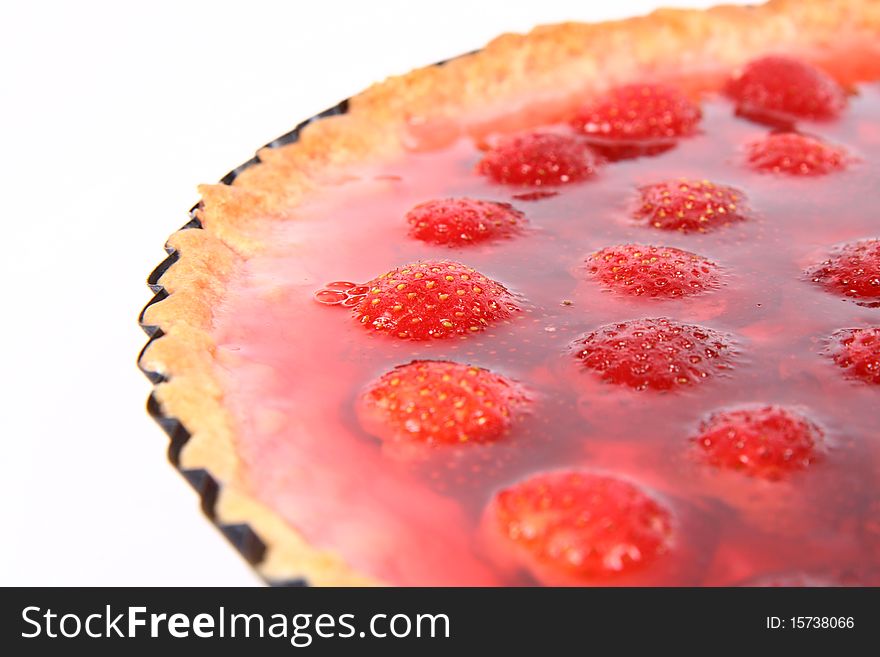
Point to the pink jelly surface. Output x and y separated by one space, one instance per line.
293 367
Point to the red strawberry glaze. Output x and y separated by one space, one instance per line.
814 580
292 368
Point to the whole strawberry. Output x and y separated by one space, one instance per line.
794 154
440 403
858 352
852 270
581 524
433 299
637 119
781 90
463 221
539 159
690 206
655 354
658 272
768 442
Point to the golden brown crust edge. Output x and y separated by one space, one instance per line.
574 57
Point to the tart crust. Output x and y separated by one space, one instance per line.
513 76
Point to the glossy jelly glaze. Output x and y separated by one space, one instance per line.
294 368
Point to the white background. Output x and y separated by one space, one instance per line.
112 112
